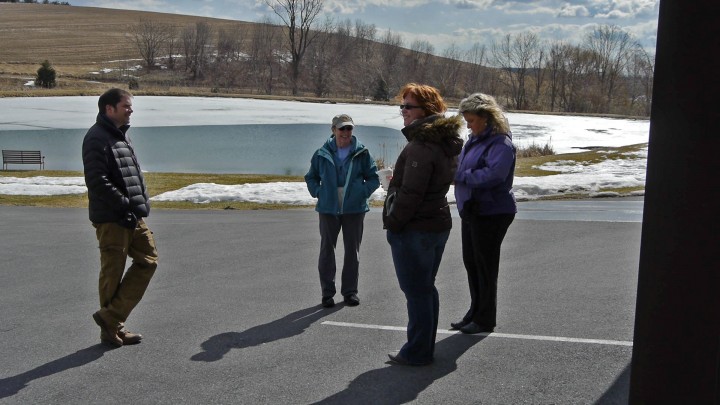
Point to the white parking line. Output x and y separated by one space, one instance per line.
493 334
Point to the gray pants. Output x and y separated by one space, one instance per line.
352 229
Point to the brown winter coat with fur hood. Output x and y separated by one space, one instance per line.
422 176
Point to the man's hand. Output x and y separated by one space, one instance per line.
129 221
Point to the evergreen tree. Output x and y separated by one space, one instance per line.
382 93
45 76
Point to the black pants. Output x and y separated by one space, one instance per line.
352 229
481 240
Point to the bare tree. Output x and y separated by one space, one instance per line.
346 61
150 38
187 39
229 43
476 74
323 56
555 68
608 72
264 60
389 68
640 77
514 56
537 72
364 80
448 70
611 47
172 46
648 78
418 62
298 16
196 41
228 66
577 85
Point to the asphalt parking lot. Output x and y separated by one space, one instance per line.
233 315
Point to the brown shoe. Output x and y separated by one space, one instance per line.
129 338
108 334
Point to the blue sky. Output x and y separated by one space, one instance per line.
444 22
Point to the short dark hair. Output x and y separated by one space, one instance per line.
111 97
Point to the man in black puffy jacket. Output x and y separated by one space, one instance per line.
118 202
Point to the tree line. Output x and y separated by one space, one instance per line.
304 54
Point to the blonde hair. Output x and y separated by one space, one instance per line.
429 97
484 105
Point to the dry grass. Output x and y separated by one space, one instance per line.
535 150
76 41
161 182
80 40
157 183
77 36
530 166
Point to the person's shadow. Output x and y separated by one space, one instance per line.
401 384
288 326
12 385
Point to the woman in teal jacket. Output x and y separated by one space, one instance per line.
342 177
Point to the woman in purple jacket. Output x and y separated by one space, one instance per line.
483 184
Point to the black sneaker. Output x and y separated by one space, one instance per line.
328 302
352 300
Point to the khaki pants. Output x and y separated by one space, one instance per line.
118 294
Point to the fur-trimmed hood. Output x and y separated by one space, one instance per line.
423 173
437 129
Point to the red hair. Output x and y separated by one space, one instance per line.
429 97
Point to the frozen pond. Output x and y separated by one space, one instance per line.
222 135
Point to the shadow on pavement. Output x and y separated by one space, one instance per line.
12 385
288 326
401 384
619 392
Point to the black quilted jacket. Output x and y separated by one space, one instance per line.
422 176
112 174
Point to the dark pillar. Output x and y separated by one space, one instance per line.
676 354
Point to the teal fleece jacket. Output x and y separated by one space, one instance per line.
360 182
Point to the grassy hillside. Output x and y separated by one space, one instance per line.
76 40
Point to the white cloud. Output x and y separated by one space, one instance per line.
444 22
625 9
568 10
471 4
363 4
340 7
148 5
614 14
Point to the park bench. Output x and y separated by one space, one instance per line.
23 157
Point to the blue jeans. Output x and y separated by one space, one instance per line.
417 256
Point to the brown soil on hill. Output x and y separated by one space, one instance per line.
70 35
77 41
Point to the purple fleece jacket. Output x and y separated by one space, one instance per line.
485 175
